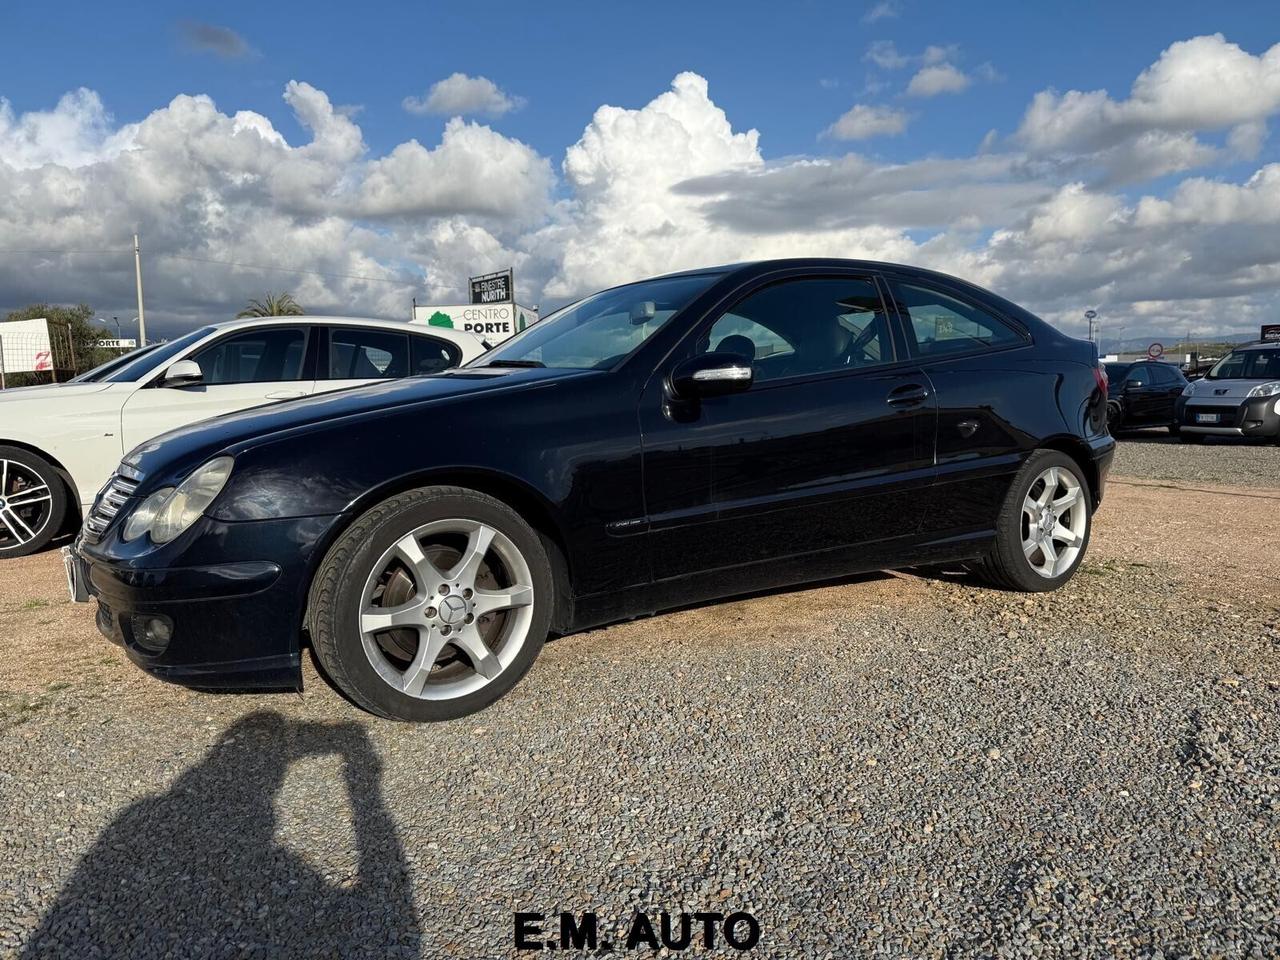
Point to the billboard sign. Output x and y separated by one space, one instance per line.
25 346
492 322
117 344
1271 332
493 288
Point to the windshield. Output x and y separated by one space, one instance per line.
1247 365
598 332
115 363
143 363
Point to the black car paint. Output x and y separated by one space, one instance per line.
1145 405
646 501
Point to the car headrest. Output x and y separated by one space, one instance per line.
738 345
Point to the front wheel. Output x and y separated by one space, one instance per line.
1043 529
432 605
33 502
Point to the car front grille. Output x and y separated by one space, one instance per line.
111 500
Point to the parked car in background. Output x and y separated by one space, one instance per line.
658 444
1238 397
1143 394
59 443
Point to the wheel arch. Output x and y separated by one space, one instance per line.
73 492
1079 451
532 506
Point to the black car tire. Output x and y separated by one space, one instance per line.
34 466
1115 415
1190 437
337 594
1175 429
1006 566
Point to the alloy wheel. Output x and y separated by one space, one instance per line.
26 504
446 609
1054 521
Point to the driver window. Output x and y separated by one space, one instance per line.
1139 376
804 328
256 356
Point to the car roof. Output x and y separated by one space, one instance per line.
1259 345
459 336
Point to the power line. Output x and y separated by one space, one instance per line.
312 273
232 263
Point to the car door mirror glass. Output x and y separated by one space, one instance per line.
711 375
184 373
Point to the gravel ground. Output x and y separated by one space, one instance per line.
893 766
1154 455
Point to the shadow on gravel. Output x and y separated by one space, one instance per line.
197 871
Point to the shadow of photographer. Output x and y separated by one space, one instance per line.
197 871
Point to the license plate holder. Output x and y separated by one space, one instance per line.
77 575
1206 418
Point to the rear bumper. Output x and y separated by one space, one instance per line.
208 620
1102 451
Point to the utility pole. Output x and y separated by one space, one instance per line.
137 270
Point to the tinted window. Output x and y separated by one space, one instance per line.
430 355
805 327
1165 375
1116 372
255 356
939 324
1140 375
357 353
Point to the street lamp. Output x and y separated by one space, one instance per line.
1091 316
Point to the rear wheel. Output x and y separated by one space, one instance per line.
1043 529
33 502
432 605
1115 415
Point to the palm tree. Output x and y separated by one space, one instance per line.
273 305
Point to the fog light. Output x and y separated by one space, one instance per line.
152 632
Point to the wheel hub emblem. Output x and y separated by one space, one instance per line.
453 609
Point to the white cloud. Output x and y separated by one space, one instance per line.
864 121
459 95
881 11
884 54
938 78
668 185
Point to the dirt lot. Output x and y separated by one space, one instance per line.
897 765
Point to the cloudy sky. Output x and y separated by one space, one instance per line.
1068 155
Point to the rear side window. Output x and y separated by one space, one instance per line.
356 353
939 324
256 356
431 355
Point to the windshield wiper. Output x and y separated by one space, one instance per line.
515 363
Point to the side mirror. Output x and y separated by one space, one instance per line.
184 373
1133 385
711 375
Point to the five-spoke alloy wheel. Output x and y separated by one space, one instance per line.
1043 527
432 604
33 502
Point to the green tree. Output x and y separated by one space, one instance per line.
273 305
75 350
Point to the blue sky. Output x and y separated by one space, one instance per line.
1069 155
765 61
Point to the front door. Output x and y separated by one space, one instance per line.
826 450
243 369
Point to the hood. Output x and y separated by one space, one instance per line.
1224 389
46 391
257 424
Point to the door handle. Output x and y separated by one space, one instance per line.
907 395
286 395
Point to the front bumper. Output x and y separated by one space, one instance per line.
199 615
1254 417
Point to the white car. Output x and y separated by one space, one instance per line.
59 443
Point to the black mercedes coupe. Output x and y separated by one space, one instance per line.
667 442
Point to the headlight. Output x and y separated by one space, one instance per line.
1189 389
139 521
1266 389
168 512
